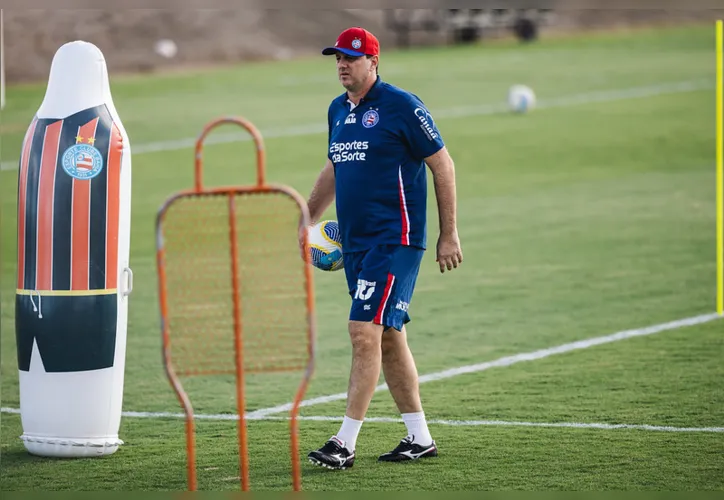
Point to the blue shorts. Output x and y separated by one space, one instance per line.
380 281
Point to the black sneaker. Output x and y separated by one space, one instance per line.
333 455
407 450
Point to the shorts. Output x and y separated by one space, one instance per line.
381 281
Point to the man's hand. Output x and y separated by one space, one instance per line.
449 252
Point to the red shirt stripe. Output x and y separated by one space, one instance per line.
113 206
405 240
48 163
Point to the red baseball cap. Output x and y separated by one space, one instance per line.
355 42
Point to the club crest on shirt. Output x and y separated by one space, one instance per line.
370 118
82 161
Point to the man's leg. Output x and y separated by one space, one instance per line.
401 377
363 377
366 362
400 371
366 338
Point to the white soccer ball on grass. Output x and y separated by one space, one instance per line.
521 98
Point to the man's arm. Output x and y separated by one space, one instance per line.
322 193
449 252
321 197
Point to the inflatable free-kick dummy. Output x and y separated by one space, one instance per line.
73 281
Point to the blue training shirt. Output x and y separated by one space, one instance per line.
378 150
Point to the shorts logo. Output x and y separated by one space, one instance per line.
370 118
365 289
356 43
402 306
82 161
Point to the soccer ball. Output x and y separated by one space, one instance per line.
521 98
325 245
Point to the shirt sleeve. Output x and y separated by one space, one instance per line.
419 129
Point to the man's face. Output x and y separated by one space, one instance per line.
353 72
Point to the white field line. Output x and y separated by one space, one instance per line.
453 112
511 360
454 423
268 413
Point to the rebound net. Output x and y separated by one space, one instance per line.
236 292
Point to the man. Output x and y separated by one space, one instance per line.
380 138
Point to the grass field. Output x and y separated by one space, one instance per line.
592 215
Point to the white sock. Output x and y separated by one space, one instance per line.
417 428
349 432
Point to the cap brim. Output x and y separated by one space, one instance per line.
333 50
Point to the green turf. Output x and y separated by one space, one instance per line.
576 221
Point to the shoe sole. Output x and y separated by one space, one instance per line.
326 466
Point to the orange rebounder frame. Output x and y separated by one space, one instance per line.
235 294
